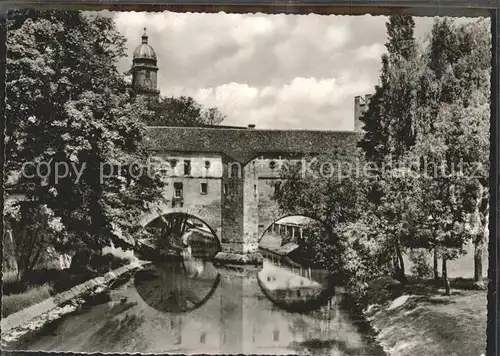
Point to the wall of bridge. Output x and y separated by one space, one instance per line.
239 202
239 207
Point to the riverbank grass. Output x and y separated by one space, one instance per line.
33 295
423 321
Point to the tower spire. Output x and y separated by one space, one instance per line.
144 69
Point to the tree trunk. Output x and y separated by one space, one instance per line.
400 271
435 266
480 242
446 281
478 263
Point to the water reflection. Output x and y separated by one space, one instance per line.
228 314
291 286
177 286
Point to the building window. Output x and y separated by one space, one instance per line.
207 164
204 188
178 190
147 75
276 335
203 337
226 189
255 190
277 188
272 164
187 167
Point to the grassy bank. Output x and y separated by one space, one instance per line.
33 295
43 283
423 321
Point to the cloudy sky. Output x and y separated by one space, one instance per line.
274 71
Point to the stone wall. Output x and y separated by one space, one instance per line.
250 208
232 207
205 169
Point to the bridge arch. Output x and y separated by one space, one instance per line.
284 217
211 221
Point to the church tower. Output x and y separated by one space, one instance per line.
144 70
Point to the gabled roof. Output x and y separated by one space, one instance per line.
243 145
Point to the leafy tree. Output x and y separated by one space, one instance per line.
433 105
182 111
34 230
389 119
397 210
374 142
331 190
67 106
456 103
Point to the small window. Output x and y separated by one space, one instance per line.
276 335
255 189
203 337
147 75
187 167
178 188
226 189
277 187
207 164
272 164
204 188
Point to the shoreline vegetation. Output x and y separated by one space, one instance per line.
42 284
422 320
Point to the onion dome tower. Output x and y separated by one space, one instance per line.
144 70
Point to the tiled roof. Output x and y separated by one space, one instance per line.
295 220
243 145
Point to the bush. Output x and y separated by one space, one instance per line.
70 280
381 290
81 261
421 267
33 295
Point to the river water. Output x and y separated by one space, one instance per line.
191 306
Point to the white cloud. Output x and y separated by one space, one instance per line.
301 103
276 71
371 52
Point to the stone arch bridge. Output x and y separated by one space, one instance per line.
227 176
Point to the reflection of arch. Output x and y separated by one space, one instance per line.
303 306
146 292
266 230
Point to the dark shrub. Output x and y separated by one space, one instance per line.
71 280
81 261
421 266
42 276
382 289
118 262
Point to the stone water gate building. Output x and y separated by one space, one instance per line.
225 176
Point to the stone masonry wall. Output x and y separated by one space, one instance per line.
232 208
250 208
